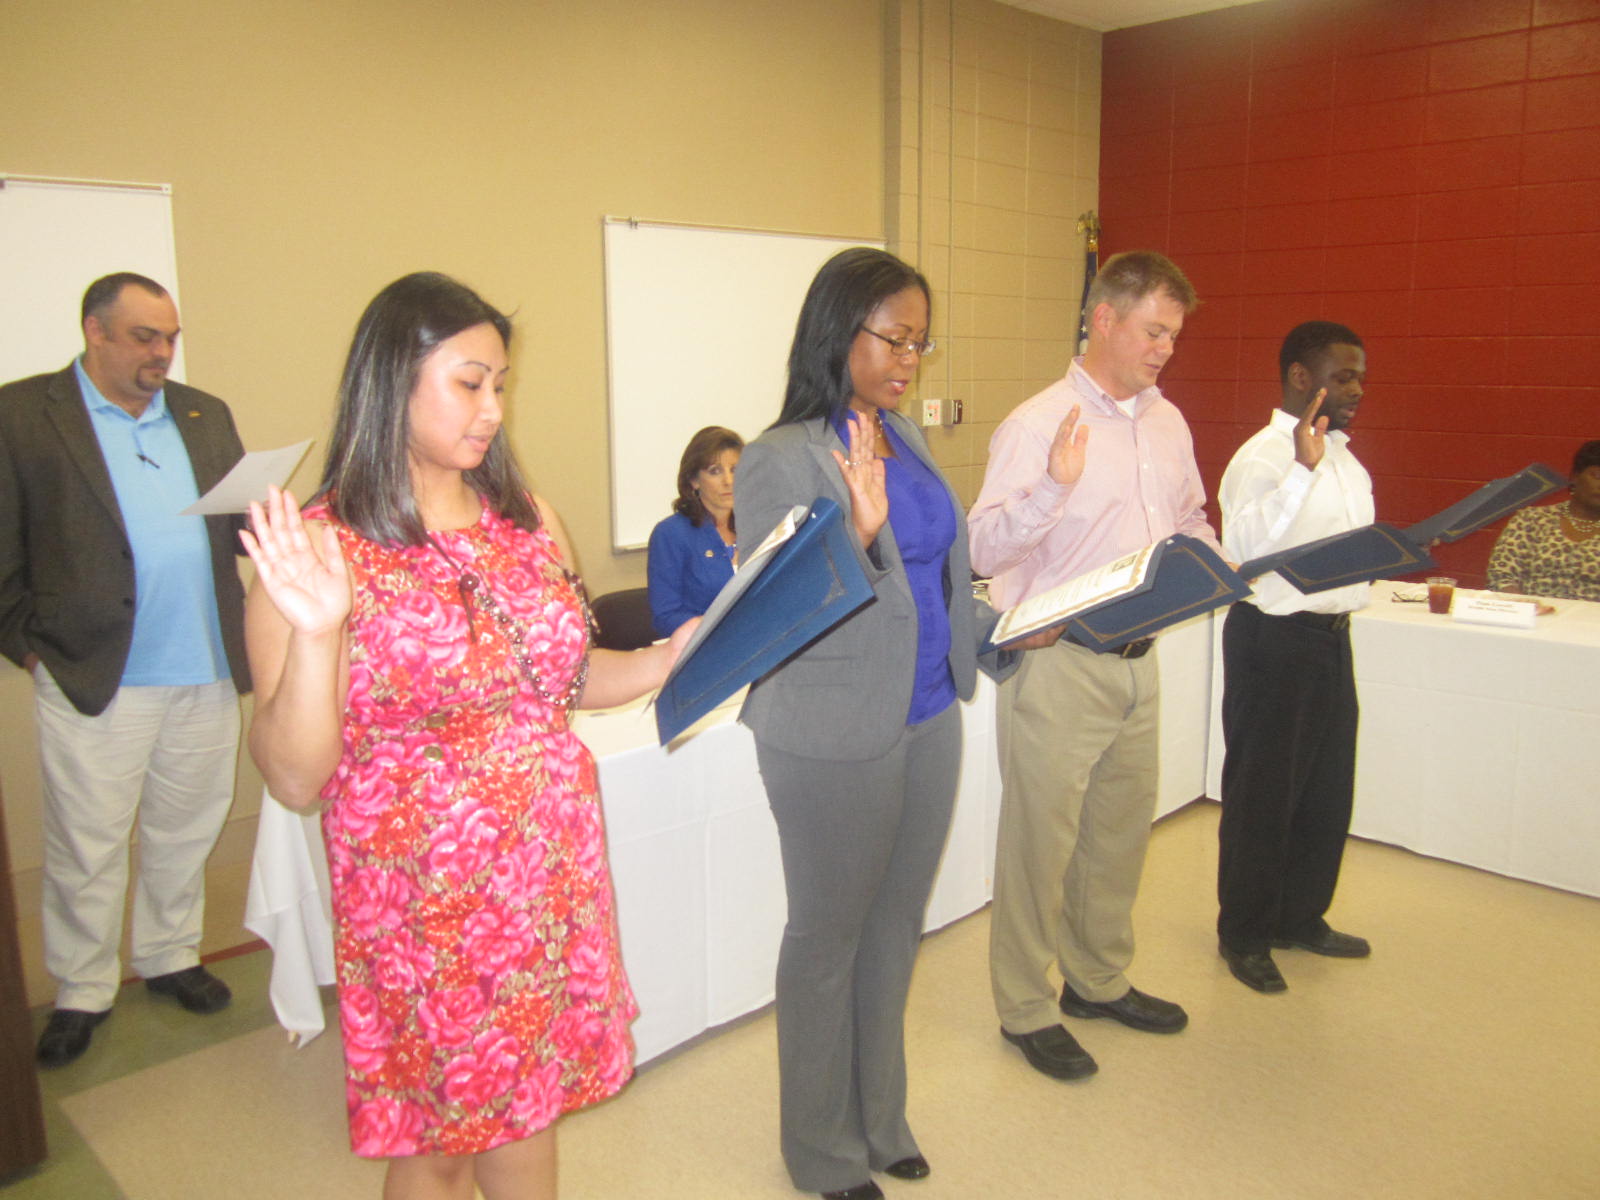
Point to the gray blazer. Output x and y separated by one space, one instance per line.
846 695
66 568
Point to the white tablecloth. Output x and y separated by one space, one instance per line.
1479 745
694 856
695 865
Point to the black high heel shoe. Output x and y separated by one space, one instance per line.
915 1167
861 1191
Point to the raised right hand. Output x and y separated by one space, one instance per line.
1068 449
1310 434
863 474
307 583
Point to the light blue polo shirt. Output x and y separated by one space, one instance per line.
177 638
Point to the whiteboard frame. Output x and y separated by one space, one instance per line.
57 236
699 320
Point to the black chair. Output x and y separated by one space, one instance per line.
622 620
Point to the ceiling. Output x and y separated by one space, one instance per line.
1118 14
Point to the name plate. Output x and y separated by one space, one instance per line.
1493 610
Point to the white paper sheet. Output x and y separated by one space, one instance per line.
249 480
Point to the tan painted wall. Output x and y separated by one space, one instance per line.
994 117
319 149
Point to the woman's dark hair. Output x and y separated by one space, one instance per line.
704 448
846 291
1588 455
367 477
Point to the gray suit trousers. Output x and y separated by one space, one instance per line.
861 842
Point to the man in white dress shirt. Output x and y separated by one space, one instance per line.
1289 708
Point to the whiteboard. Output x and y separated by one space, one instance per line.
56 238
698 326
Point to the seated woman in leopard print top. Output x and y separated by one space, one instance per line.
1554 551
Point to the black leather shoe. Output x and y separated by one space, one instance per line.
1053 1051
861 1191
1329 942
1136 1010
1254 970
196 988
915 1167
66 1035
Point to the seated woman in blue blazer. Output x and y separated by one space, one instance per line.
858 736
691 552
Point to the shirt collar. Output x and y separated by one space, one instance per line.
95 402
1284 422
1085 385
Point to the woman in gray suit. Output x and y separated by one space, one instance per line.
858 736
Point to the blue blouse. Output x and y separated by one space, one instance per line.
924 524
687 566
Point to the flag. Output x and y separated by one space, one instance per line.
1089 226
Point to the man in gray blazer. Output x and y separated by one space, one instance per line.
129 618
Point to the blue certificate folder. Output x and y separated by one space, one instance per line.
1495 499
1185 578
769 610
1382 551
1356 556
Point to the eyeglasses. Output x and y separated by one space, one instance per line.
903 346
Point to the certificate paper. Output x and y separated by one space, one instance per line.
249 480
799 584
1135 597
1119 578
781 533
745 575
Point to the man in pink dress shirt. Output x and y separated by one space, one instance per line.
1097 465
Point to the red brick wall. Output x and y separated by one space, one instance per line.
1425 171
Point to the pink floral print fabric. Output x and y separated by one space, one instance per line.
481 992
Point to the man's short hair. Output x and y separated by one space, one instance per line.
1127 278
1309 341
103 292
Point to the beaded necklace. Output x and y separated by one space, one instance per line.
1584 525
469 585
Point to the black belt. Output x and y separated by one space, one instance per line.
1131 650
1332 622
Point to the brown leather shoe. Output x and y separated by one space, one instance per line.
196 988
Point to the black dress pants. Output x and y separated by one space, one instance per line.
1289 718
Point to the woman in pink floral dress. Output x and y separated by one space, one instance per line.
420 644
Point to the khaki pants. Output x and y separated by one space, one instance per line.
163 755
1078 763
